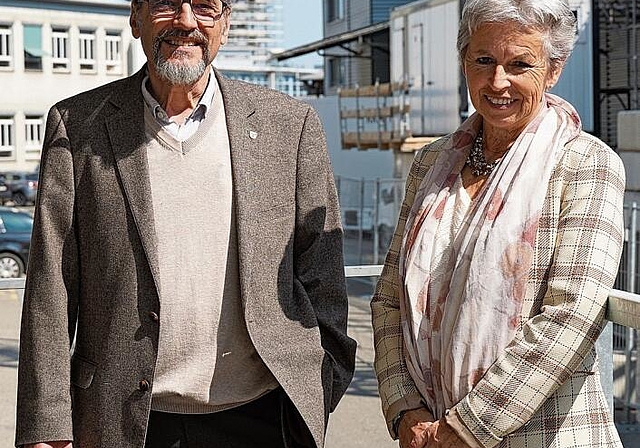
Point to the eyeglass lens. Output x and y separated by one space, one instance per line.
205 9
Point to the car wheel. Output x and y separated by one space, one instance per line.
11 266
19 198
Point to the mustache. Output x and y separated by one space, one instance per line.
195 35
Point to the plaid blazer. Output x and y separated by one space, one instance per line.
544 390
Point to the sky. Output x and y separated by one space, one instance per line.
302 24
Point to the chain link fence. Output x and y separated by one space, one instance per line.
626 378
369 209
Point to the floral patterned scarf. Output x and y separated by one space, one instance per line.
453 336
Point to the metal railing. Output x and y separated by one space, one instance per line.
623 309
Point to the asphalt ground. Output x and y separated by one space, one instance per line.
10 305
356 423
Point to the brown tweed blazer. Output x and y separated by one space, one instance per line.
544 391
93 267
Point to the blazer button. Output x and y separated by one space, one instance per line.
153 316
144 385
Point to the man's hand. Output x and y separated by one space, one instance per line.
414 428
61 444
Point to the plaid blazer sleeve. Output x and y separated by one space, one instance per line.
582 224
397 390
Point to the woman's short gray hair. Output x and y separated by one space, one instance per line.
553 18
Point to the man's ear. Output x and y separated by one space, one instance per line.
134 22
226 24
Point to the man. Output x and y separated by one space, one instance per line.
187 246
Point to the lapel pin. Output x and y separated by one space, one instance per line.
253 135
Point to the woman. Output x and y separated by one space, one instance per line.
494 289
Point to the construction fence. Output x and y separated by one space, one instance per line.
370 208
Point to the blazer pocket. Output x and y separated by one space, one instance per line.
328 383
82 372
274 212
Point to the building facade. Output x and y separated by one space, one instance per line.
49 50
256 33
53 49
362 61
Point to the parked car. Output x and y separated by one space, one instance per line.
22 185
5 193
15 238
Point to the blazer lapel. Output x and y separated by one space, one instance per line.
127 133
240 115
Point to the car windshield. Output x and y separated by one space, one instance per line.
16 222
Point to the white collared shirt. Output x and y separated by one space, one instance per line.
191 124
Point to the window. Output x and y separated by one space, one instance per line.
16 222
34 128
335 10
288 84
337 72
33 47
6 46
7 148
60 49
87 50
113 56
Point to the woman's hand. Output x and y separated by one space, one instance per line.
441 435
418 430
413 428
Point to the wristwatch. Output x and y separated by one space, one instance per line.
395 423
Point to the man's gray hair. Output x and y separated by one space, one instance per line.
553 18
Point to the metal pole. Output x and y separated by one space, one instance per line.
360 229
376 221
634 54
631 333
633 248
604 348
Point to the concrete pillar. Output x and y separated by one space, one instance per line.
604 347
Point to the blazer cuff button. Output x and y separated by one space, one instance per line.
144 385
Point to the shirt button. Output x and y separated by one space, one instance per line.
153 316
144 385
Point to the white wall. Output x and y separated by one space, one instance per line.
368 164
423 52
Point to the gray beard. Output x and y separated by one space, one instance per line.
178 73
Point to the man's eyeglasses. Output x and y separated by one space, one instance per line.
207 12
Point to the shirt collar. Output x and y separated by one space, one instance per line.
198 113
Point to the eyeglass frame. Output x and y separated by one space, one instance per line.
225 6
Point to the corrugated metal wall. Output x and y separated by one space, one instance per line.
577 80
618 82
374 65
381 9
359 13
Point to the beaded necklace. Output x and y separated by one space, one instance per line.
476 160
